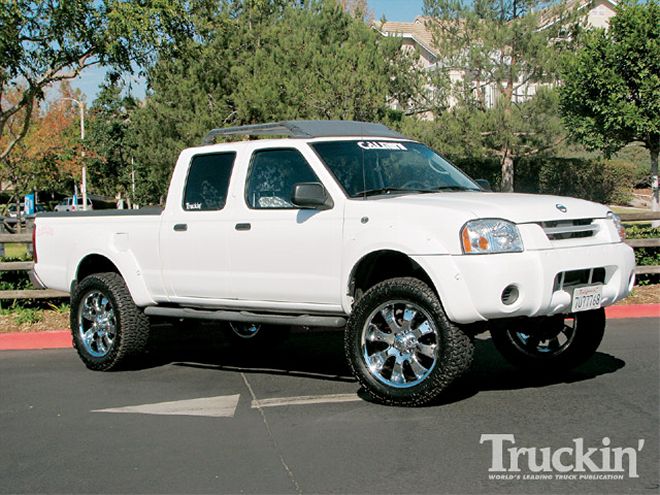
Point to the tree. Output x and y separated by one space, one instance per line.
292 60
509 47
358 8
108 140
44 42
48 158
611 89
316 62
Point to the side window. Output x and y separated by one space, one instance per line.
208 181
272 176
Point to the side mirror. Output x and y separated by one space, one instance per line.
484 184
311 195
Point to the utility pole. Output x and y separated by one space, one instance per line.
83 185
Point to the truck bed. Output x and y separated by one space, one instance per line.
103 213
128 237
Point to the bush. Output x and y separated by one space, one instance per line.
644 256
604 181
481 168
14 280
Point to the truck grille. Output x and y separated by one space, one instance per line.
559 230
579 277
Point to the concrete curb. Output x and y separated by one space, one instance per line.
61 339
633 311
18 341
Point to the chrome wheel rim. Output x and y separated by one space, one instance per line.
546 342
97 324
398 344
245 330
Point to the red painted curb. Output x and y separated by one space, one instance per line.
59 339
633 311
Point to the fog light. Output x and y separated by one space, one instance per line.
510 295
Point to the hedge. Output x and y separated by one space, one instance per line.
604 181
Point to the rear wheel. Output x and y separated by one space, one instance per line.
402 348
108 328
251 335
552 343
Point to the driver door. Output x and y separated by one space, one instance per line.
282 253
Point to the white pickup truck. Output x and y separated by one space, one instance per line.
343 224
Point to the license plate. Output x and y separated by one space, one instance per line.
586 298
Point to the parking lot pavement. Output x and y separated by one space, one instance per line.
206 418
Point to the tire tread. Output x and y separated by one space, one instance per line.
459 348
132 323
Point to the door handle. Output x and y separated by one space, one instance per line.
180 227
243 226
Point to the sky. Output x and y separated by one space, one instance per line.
393 10
397 10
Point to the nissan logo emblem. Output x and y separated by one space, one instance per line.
561 208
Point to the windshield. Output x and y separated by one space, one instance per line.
390 167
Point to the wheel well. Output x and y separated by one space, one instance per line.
94 263
382 265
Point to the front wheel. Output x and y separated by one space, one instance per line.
402 348
559 342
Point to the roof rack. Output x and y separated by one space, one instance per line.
306 129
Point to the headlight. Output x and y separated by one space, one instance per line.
617 224
490 236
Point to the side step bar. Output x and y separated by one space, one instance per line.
247 317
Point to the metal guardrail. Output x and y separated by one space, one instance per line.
7 266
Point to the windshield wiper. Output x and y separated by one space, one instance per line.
389 190
385 190
455 188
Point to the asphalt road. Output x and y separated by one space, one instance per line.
51 441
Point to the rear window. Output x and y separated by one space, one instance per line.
208 182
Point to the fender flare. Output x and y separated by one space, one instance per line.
128 269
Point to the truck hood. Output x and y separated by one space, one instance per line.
518 208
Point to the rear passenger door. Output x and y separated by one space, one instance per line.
194 234
282 253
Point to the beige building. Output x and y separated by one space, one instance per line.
416 37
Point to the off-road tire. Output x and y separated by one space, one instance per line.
588 334
453 353
132 325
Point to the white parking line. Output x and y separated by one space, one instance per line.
223 406
304 399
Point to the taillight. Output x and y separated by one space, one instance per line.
34 244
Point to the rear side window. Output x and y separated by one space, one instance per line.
208 181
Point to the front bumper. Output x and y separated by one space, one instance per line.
470 286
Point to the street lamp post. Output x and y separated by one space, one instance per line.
81 105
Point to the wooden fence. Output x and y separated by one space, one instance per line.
49 293
643 243
23 266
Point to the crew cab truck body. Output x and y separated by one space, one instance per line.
343 224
